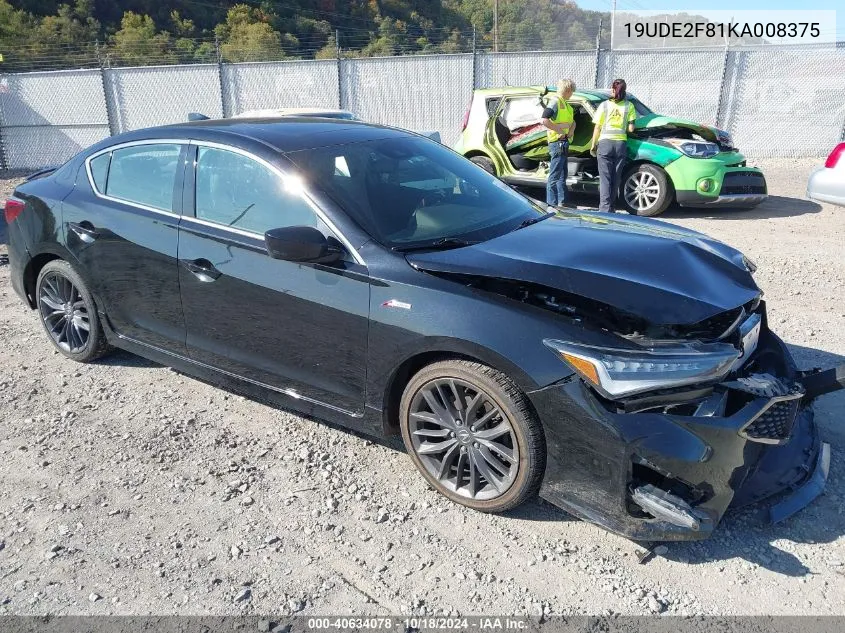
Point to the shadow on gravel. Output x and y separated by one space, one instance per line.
746 533
773 207
119 358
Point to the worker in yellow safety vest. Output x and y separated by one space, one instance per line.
613 120
559 121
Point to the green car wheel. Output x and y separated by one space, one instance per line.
646 190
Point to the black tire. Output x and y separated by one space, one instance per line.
66 331
496 392
485 163
654 200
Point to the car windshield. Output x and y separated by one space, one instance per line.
410 192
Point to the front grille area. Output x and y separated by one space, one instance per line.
774 426
743 183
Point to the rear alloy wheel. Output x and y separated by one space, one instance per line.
473 435
68 313
485 163
646 190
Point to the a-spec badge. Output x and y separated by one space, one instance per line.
395 303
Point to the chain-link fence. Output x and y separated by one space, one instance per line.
787 102
532 69
775 101
157 95
420 93
45 118
681 83
294 84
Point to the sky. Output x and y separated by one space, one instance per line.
691 5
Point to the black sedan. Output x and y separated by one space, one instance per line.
372 277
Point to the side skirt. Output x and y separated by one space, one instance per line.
366 423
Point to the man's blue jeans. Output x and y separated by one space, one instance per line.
556 184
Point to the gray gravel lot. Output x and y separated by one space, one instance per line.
130 489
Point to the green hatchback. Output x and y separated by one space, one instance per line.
670 159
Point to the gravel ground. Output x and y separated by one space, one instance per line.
130 489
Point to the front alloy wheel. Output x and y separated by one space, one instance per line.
472 434
463 439
646 190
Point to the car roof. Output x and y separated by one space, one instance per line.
590 94
284 134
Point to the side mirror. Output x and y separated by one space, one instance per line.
302 244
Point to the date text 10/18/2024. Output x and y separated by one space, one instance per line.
480 623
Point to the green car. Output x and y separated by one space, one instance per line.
671 159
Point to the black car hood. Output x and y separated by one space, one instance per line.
654 270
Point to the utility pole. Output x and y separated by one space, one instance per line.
596 75
496 26
474 56
612 23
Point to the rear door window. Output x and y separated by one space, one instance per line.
143 174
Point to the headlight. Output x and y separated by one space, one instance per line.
623 372
696 149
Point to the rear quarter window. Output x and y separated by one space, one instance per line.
100 171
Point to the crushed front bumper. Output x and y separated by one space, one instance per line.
670 472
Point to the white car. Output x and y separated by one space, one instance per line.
272 113
327 113
827 184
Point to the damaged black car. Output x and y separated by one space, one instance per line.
621 367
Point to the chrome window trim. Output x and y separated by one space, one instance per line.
223 227
112 148
281 174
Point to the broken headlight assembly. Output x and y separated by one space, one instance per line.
617 373
694 149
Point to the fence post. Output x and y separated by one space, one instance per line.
598 56
474 58
3 163
722 88
339 69
224 102
106 98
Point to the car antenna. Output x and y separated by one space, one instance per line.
197 116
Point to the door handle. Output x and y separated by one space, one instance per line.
202 269
84 230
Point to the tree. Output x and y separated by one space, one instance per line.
61 33
184 42
247 36
137 41
17 29
71 25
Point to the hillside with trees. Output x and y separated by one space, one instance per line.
54 34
